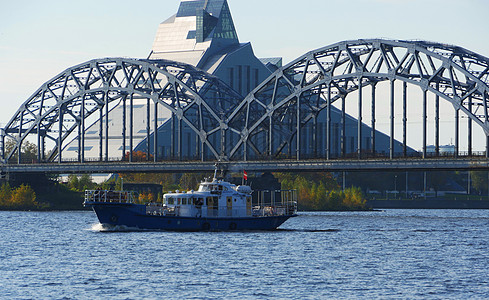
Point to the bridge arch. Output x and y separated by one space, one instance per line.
60 109
273 114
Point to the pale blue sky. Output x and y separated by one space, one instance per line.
39 39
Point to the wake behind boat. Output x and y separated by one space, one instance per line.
217 206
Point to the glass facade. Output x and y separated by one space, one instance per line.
205 25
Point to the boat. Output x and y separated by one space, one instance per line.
217 205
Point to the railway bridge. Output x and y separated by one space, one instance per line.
411 92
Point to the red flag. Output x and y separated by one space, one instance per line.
245 175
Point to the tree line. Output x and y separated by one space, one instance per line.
320 191
20 198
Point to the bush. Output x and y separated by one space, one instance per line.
21 198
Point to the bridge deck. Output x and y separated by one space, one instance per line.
261 166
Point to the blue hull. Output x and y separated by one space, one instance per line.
134 216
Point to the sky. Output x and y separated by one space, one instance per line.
40 39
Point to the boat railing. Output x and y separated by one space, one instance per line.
274 202
110 196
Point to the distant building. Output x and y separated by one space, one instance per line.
202 33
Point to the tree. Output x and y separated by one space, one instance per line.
28 150
479 180
24 197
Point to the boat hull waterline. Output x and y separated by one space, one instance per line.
129 215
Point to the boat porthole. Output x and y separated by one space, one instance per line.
206 226
232 226
113 218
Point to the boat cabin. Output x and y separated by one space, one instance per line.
213 199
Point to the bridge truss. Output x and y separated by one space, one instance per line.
59 110
295 95
268 123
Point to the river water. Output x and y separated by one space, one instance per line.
393 254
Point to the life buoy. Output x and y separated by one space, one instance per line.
233 226
113 218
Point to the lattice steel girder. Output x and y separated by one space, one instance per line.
195 97
457 75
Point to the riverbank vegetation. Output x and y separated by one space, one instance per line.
320 191
20 198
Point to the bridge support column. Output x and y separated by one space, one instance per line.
437 122
2 141
79 142
469 129
404 119
124 111
43 148
315 134
155 133
343 126
298 129
172 136
38 144
487 121
270 138
328 124
425 117
223 144
373 134
180 137
392 117
360 116
100 133
487 146
457 131
106 96
148 129
131 127
202 151
82 131
60 135
19 149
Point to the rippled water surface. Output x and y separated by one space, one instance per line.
390 254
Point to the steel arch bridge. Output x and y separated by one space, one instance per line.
269 122
297 93
59 109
